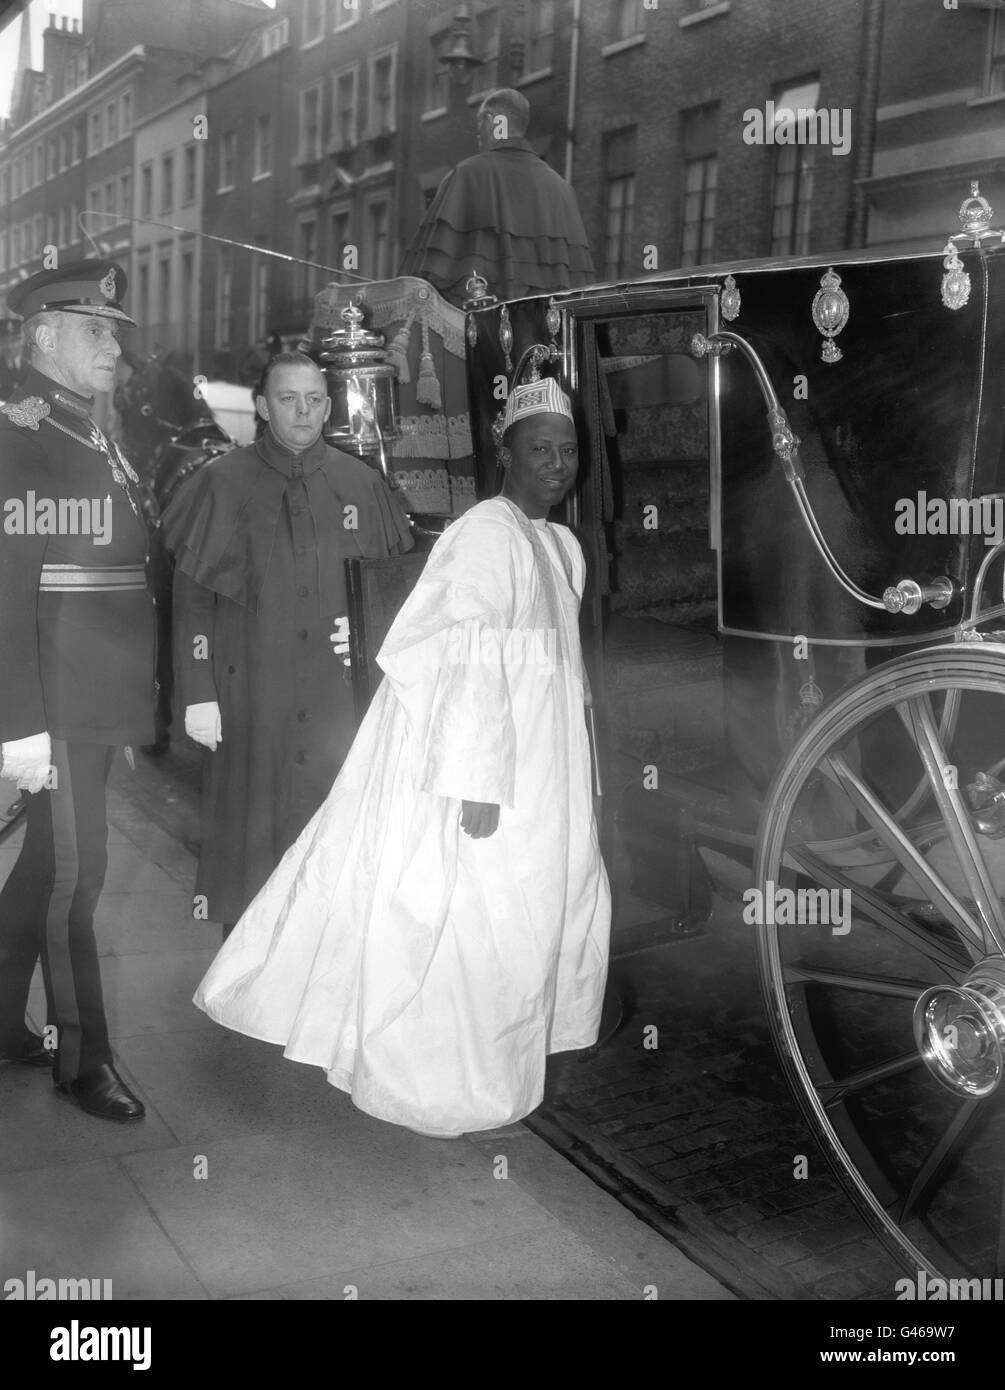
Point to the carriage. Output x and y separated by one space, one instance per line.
792 503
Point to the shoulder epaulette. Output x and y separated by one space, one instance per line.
27 413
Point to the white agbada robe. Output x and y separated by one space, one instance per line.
430 973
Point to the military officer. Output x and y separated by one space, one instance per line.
77 638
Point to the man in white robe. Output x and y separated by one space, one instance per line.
442 923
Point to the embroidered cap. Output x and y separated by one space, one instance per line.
543 397
79 287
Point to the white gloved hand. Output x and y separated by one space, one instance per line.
202 723
340 640
27 761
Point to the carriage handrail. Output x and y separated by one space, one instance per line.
907 596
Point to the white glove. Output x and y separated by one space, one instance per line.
340 640
27 761
202 723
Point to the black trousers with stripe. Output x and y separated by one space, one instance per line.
47 910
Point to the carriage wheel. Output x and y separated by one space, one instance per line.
889 1018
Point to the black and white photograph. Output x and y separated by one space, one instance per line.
502 664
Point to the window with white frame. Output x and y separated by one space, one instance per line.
994 73
147 190
189 173
314 21
64 151
307 250
52 156
167 182
345 104
619 210
258 306
338 234
224 294
382 114
126 112
263 145
792 189
141 302
346 13
486 45
111 201
701 177
379 238
111 122
228 160
310 124
77 144
164 315
540 35
437 76
629 19
126 194
94 133
277 36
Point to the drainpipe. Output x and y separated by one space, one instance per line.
570 121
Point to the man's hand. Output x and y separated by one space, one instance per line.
27 761
202 723
340 640
479 819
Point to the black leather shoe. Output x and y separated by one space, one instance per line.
102 1092
31 1052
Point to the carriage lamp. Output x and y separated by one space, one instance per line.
960 1030
363 387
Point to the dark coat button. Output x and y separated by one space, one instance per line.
231 670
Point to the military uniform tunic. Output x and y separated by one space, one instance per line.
77 656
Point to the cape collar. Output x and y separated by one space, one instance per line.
287 461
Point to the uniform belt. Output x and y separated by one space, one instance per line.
103 578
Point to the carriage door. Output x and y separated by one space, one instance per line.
646 511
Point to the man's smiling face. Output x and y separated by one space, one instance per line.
83 350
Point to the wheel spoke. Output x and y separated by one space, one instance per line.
849 979
835 1092
918 716
874 906
936 1159
906 853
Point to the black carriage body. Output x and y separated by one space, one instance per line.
911 414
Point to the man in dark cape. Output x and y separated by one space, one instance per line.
504 213
260 537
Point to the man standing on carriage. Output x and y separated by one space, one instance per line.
504 213
260 537
77 636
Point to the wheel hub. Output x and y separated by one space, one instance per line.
960 1030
